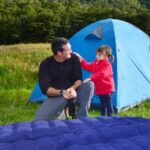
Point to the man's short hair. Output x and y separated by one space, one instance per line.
58 43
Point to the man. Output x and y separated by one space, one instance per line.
60 78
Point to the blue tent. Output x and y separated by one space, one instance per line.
131 48
37 95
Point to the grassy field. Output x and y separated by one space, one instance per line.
18 76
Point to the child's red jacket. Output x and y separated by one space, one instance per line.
102 75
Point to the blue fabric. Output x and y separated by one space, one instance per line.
37 95
131 48
101 133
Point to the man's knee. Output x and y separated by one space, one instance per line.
85 93
88 86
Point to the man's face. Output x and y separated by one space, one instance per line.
67 51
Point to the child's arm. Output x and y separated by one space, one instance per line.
87 65
86 80
84 64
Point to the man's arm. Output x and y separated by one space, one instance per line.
57 92
76 84
53 92
77 78
44 77
45 80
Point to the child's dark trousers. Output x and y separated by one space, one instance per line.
106 107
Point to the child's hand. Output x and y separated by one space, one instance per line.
87 80
78 55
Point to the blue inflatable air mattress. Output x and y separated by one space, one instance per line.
101 133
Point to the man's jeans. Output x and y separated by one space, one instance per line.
52 107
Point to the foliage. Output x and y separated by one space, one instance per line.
26 21
146 3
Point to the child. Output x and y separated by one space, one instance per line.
102 76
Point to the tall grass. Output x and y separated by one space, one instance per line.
18 76
19 64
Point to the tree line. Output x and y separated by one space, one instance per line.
26 21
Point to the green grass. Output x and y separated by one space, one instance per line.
19 64
18 76
14 107
142 110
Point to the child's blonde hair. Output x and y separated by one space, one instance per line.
106 50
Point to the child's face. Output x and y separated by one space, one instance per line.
100 56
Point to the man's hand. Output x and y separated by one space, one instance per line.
69 94
72 92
